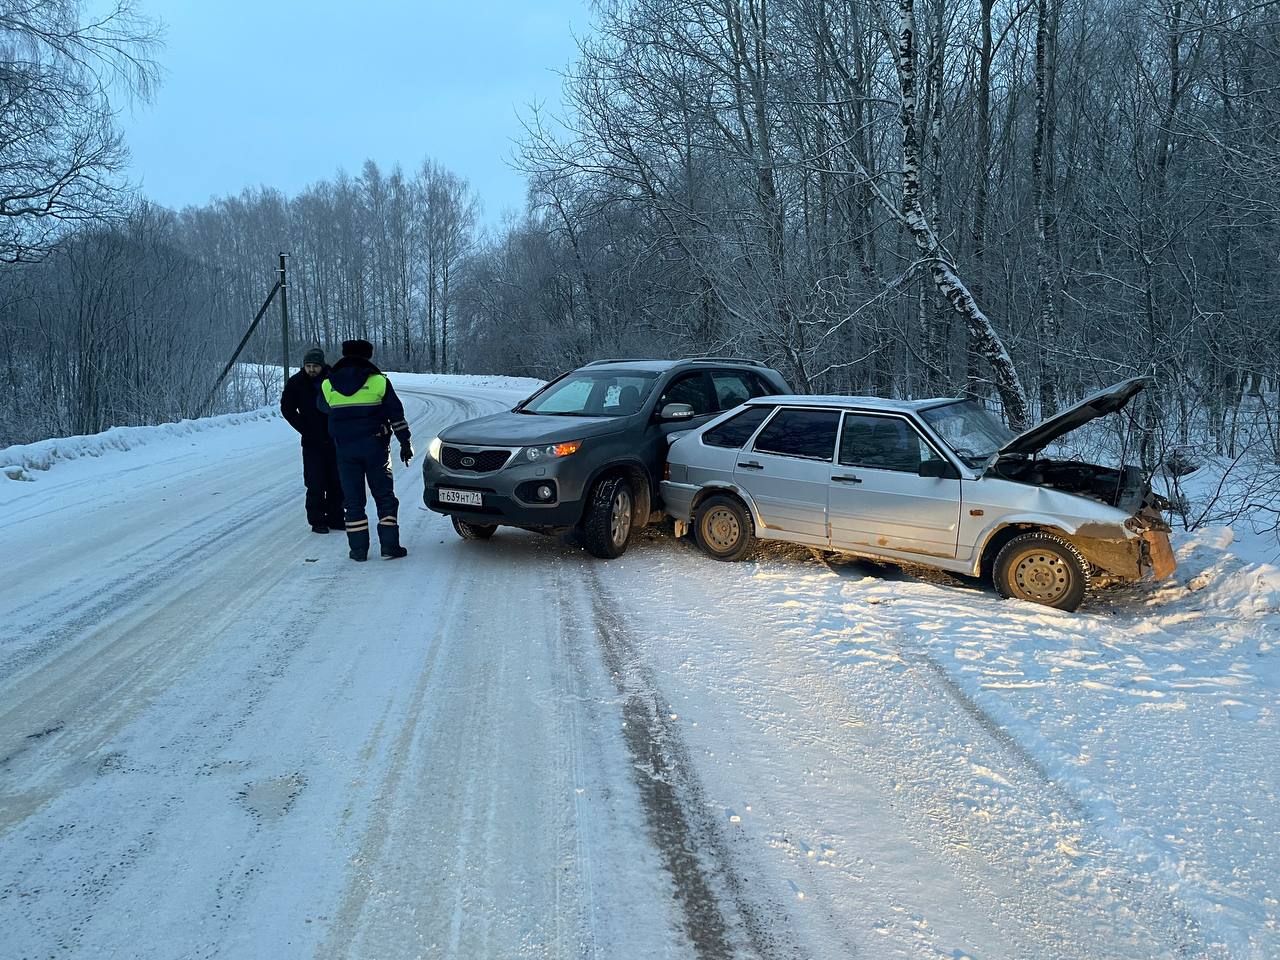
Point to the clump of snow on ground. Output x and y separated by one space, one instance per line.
19 461
1217 573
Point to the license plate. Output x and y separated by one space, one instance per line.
467 498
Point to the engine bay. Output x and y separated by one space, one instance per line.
1122 488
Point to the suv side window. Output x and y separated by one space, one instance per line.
882 443
810 434
690 388
732 388
737 430
760 387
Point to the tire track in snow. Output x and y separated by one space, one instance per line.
712 892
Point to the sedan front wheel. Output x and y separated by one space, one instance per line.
1042 568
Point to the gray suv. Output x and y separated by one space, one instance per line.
586 452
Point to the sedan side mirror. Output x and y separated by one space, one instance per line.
676 411
938 469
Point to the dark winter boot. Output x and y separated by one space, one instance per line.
358 539
389 538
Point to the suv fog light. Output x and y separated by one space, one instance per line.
537 491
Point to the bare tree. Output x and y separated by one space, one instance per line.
60 156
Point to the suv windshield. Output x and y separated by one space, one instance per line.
593 393
968 429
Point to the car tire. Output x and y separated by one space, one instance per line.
473 531
610 518
723 528
1042 568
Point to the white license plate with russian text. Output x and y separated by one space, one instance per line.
467 498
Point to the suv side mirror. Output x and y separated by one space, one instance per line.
938 469
676 411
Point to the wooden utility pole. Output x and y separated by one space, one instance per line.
284 318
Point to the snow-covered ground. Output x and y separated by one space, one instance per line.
219 737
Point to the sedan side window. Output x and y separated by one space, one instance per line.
810 434
737 430
883 443
691 388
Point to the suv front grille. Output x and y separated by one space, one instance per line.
481 461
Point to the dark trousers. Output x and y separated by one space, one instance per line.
324 488
368 461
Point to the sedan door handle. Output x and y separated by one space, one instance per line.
751 464
845 478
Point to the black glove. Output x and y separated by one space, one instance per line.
406 452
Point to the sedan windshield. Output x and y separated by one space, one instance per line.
590 393
968 429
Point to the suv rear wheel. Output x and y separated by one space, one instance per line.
473 531
723 529
1042 568
606 528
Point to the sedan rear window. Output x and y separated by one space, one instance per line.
736 431
801 433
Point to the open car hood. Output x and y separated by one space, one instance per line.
1095 405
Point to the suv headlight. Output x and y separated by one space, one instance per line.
552 451
433 448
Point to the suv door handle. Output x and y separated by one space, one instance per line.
845 478
751 464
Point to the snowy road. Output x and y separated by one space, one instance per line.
219 737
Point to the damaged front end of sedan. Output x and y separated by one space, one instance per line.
1129 541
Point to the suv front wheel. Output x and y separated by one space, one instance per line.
606 528
473 531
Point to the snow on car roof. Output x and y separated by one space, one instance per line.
865 403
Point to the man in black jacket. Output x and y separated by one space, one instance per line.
319 458
364 412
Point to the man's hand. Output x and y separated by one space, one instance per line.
406 452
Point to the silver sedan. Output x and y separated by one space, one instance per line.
937 482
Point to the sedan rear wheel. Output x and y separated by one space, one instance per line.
723 529
1042 568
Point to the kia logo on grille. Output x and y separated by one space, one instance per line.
468 461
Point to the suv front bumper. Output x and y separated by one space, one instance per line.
500 493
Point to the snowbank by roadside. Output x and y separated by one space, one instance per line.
17 462
24 461
427 381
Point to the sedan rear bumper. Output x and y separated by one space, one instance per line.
677 500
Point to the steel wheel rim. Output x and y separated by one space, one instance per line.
620 518
721 529
1042 576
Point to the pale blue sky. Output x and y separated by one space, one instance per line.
283 92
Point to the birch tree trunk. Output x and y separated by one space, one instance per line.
986 339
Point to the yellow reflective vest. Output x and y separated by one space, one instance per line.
369 395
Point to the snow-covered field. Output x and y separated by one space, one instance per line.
219 737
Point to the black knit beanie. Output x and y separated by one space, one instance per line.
314 355
357 348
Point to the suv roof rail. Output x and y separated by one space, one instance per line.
750 363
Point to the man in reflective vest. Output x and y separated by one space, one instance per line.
364 412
